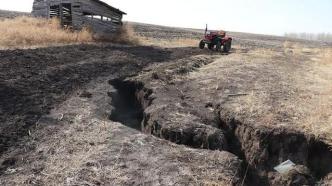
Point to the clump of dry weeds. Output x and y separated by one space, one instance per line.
125 35
22 32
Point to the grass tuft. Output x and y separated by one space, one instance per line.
24 32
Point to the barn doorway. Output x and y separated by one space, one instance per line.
63 12
66 17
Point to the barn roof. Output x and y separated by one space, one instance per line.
110 7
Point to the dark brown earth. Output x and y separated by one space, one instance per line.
34 81
35 88
142 115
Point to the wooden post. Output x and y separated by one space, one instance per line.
61 14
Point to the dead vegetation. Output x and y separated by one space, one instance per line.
319 117
126 35
286 87
171 43
29 32
25 32
326 56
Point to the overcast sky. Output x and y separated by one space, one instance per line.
255 16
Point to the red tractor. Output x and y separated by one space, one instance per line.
216 40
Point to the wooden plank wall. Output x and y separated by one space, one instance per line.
79 8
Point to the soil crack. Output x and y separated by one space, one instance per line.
261 149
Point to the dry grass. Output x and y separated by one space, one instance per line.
297 49
326 56
293 48
287 89
23 32
180 42
319 119
313 83
126 35
29 32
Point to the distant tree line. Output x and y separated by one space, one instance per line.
310 36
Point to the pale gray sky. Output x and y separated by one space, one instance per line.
255 16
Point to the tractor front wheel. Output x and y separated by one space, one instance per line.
227 46
201 44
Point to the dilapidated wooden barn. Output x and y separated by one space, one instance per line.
95 14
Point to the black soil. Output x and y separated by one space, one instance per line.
127 109
34 81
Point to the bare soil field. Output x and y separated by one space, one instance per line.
167 113
11 14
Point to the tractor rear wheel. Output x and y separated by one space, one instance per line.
201 44
227 46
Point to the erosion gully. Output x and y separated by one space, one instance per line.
260 149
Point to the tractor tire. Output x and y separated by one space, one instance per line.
227 46
218 46
201 44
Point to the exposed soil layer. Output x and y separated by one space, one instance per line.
130 101
263 148
127 109
260 148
